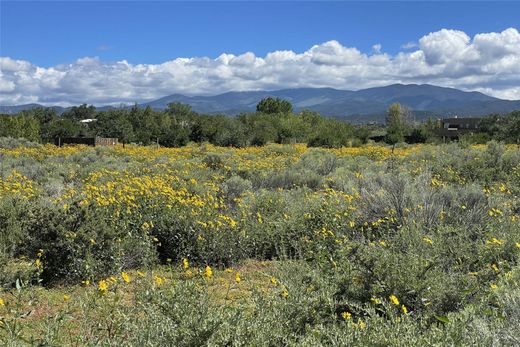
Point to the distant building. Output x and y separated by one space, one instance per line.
455 127
88 120
89 141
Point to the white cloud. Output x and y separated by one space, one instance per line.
488 62
409 45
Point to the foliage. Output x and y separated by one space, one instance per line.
272 105
397 121
305 246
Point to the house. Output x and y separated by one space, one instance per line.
453 128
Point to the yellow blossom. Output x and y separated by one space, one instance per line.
284 293
103 286
237 277
494 241
66 297
159 280
208 272
346 315
2 302
125 277
394 299
273 281
185 264
427 240
404 309
375 301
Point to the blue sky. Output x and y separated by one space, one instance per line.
129 51
50 33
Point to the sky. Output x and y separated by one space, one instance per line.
98 52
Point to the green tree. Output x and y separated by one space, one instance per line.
179 110
272 105
396 122
80 112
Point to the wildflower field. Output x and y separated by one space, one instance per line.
280 245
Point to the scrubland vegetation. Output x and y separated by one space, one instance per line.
273 122
259 246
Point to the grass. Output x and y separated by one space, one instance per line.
349 246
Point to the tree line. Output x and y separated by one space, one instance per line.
273 121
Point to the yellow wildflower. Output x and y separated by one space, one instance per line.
2 302
404 309
159 280
493 286
185 264
125 277
66 297
103 286
394 299
208 273
346 315
375 301
362 324
237 277
284 293
427 240
273 281
494 241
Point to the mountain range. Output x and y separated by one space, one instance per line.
356 106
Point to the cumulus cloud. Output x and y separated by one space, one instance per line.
487 62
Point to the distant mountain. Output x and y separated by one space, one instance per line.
20 108
355 106
362 105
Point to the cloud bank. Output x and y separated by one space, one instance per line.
488 62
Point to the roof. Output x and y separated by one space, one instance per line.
461 120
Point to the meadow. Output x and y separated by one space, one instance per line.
279 245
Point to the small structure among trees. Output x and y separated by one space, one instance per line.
455 127
89 141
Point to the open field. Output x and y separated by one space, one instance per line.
259 246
